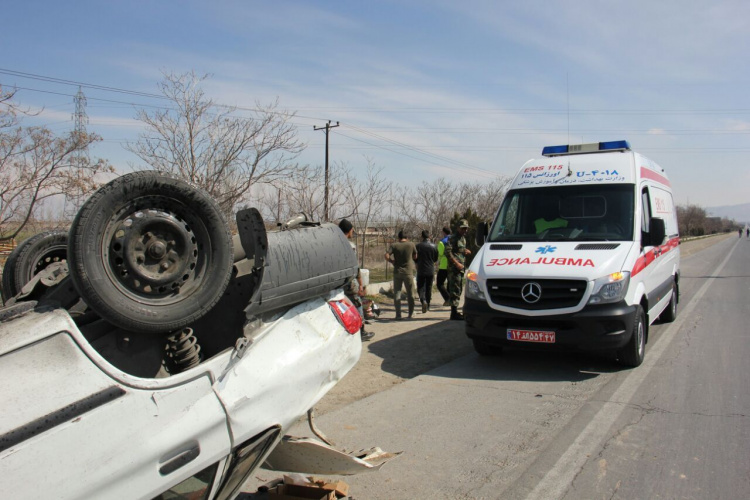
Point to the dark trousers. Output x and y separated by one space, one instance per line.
424 288
441 277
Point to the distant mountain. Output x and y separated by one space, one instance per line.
740 213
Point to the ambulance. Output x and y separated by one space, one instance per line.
583 254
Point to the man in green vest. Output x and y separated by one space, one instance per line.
442 274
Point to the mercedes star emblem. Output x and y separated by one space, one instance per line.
531 292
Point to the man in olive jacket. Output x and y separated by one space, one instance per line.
402 255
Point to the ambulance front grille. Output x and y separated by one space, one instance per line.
555 294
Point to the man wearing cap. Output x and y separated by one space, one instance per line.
456 252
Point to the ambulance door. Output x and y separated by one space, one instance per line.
657 271
662 206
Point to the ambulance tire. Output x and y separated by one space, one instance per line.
485 349
670 313
634 351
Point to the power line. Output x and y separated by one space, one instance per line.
61 81
482 171
358 129
418 150
424 153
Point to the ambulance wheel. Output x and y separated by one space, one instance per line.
31 257
670 313
634 351
485 349
150 253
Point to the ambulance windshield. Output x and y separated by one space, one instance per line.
602 212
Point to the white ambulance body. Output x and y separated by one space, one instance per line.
583 254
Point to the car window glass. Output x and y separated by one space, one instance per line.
196 487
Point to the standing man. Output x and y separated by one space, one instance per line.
442 274
456 252
426 257
402 255
354 289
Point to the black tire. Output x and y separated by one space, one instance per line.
150 253
635 350
30 257
485 349
670 313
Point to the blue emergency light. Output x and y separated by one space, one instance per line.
593 147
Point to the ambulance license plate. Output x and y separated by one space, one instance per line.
540 336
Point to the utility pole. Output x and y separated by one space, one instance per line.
327 127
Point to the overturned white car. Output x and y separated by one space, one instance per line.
142 357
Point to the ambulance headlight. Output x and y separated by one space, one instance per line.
473 290
610 288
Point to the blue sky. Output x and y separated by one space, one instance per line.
425 89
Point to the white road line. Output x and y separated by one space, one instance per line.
559 478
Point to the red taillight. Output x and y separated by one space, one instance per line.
347 314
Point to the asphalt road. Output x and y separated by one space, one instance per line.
531 425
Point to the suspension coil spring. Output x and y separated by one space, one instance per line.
182 352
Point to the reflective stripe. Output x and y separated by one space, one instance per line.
647 258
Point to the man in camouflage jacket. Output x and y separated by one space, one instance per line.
456 252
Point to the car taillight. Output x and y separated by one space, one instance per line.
347 314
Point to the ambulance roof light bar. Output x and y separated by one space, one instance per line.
593 147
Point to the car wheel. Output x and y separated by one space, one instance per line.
485 349
670 313
150 253
634 351
31 257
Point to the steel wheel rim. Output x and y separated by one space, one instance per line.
50 256
154 254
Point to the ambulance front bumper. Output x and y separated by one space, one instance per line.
600 327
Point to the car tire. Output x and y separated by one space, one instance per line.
30 257
150 253
485 349
670 313
635 350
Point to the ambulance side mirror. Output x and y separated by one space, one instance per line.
482 232
657 232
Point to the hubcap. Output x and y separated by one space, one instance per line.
153 252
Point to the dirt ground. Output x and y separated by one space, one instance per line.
405 349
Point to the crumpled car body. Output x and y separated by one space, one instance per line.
148 353
84 429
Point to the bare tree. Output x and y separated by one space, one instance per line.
302 190
209 146
434 204
486 197
691 220
36 165
366 199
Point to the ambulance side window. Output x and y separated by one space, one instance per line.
645 215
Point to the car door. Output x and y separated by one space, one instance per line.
71 430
